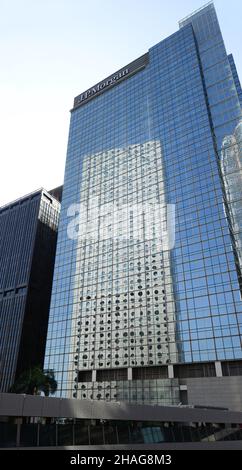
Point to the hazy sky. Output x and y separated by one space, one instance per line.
52 50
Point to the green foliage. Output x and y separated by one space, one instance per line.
34 381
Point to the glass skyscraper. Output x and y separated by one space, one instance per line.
136 314
28 234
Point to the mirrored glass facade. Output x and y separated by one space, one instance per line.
126 308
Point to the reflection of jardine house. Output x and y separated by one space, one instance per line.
127 305
231 167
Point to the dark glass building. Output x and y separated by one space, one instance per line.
132 317
28 233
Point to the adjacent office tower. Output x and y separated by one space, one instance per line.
28 233
142 312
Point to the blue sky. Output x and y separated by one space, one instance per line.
52 50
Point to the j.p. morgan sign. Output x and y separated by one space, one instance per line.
97 88
109 82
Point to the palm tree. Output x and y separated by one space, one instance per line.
34 381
